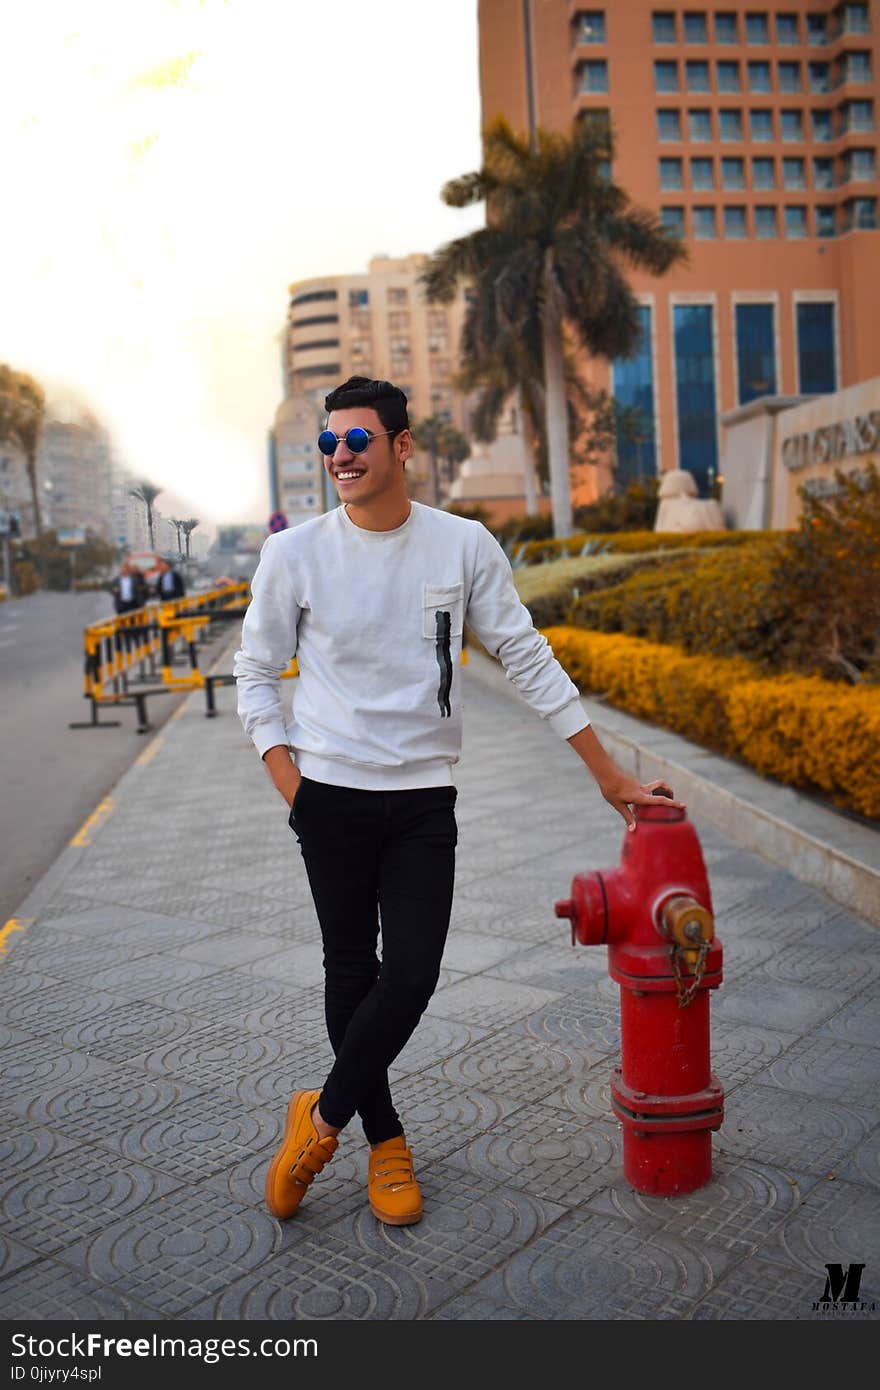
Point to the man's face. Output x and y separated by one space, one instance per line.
362 478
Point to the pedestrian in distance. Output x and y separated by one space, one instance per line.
169 582
372 599
129 589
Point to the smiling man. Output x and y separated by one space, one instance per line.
372 598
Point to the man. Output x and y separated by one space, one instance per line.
372 598
169 583
129 589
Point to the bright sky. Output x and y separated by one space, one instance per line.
170 166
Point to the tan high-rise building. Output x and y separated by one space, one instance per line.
377 325
752 130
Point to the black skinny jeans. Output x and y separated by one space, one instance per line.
375 858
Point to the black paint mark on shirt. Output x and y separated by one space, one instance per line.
444 661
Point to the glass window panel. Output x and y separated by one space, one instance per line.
730 125
668 126
695 27
787 29
702 174
591 26
733 173
697 74
633 386
823 173
765 223
820 125
755 351
699 124
860 213
861 164
695 392
670 173
857 67
761 126
820 80
759 77
794 173
855 19
665 77
789 77
727 75
594 76
792 126
735 223
673 219
757 28
860 115
815 338
704 224
725 27
663 26
817 30
824 221
795 222
763 173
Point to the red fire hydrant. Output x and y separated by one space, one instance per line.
654 911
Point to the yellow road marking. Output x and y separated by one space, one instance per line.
150 751
101 810
14 924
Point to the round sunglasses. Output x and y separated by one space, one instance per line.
356 440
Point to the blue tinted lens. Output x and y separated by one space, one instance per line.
327 442
357 439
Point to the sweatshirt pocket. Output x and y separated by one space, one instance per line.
442 610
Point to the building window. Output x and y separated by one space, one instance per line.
787 29
857 67
633 386
702 174
358 299
399 321
765 223
761 126
855 19
328 369
820 125
594 76
858 165
704 224
668 127
858 115
665 77
817 30
789 76
697 75
315 318
730 125
755 351
860 214
733 173
792 126
725 27
313 296
819 77
670 173
757 30
695 27
759 77
695 392
590 26
663 26
815 349
735 223
763 173
794 173
823 172
699 125
317 343
795 223
824 221
727 77
673 220
397 295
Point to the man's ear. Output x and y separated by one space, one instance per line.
404 442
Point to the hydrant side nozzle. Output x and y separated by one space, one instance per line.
565 908
686 922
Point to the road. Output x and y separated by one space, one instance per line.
53 777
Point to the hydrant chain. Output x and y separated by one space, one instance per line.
685 993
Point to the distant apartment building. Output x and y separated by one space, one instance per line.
76 468
377 324
752 131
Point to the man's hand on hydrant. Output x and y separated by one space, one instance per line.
620 789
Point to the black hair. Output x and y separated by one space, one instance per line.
388 401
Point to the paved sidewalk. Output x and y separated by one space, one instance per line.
161 998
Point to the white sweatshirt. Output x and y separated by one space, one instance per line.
375 620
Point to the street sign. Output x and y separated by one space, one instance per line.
277 522
71 535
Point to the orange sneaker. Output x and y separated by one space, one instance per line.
394 1193
303 1153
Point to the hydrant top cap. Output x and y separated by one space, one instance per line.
659 812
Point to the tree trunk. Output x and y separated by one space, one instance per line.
530 483
31 464
556 409
150 525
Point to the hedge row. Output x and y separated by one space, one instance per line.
801 730
627 542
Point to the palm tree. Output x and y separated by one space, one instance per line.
550 262
22 413
178 527
147 493
427 435
187 527
454 448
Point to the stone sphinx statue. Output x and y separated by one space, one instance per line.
681 509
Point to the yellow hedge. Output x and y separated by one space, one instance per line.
801 730
628 542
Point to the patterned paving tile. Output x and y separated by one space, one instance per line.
32 1068
436 1039
556 966
489 1002
56 1007
98 1107
217 1055
740 1052
153 975
234 948
809 1133
837 1221
47 1290
758 1290
13 1256
792 1008
204 1136
839 1071
580 1020
124 1033
440 1117
512 1065
24 1144
858 1021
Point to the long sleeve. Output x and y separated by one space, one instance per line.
268 642
504 625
